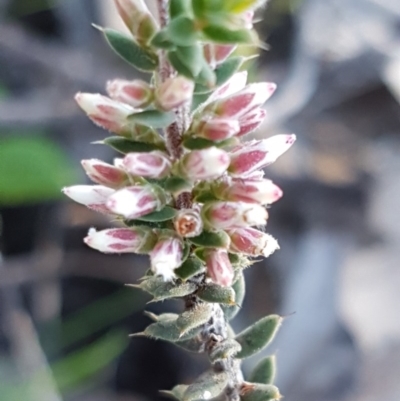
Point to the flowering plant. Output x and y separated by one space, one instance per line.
188 188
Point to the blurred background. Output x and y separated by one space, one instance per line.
64 311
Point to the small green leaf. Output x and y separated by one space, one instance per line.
167 213
176 393
258 336
179 7
209 384
162 40
265 371
198 100
178 65
217 294
194 143
191 267
195 317
224 349
221 34
211 239
124 145
168 331
182 31
192 57
259 392
240 289
130 51
153 118
176 185
229 67
206 76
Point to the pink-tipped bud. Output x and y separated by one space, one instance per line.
217 129
166 256
122 240
136 201
235 84
106 113
174 92
252 242
216 53
240 103
92 196
255 155
104 173
219 267
188 223
138 19
204 164
251 121
251 191
136 93
226 215
154 164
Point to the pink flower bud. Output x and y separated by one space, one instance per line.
235 84
204 164
217 129
174 92
216 53
226 215
251 121
252 242
136 201
154 164
188 223
251 191
166 256
240 103
137 18
122 240
104 173
255 155
92 196
136 93
219 267
106 113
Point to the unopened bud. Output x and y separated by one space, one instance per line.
166 256
136 201
106 113
235 84
219 267
188 223
204 164
92 196
252 242
251 121
138 19
217 53
217 129
174 92
255 155
225 215
104 173
136 93
240 103
260 191
122 240
155 164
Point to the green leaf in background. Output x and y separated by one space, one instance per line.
178 7
182 31
167 213
191 267
217 294
32 169
142 59
220 34
211 239
153 118
124 145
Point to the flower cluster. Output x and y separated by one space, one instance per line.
221 172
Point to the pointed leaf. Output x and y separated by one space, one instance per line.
240 289
167 213
217 294
218 239
162 40
194 143
182 31
161 290
168 331
224 349
259 392
176 393
265 371
209 384
153 118
179 66
221 34
195 317
130 51
192 57
123 145
258 336
191 267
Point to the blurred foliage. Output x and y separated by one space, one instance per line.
19 8
32 169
